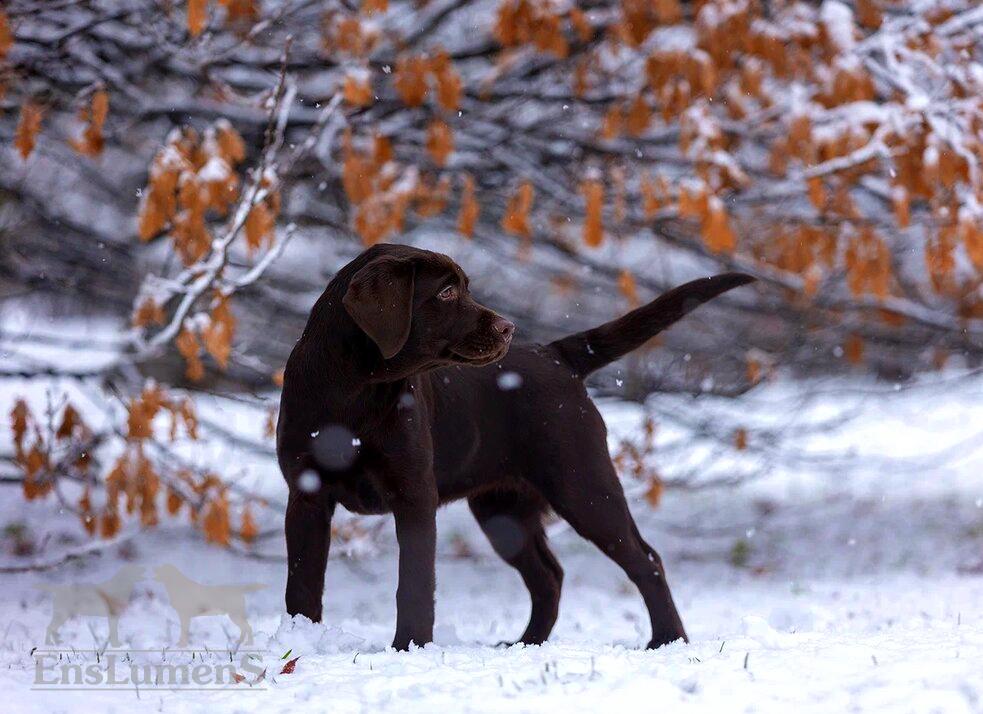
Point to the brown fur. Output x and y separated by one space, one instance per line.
397 401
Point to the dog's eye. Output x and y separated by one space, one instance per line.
448 293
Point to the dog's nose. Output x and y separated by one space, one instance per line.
503 327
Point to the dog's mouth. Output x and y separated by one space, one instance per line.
479 357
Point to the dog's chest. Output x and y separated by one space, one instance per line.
380 476
361 493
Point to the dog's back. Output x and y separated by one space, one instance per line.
491 423
503 422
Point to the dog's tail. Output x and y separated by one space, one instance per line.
588 351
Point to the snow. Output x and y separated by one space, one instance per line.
215 170
846 579
838 19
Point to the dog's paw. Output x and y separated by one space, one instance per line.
666 639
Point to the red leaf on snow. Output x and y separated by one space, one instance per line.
288 668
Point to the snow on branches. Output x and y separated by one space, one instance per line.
59 452
196 196
795 139
192 178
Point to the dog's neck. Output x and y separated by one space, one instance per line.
344 367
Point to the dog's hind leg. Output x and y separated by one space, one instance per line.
586 492
308 530
513 523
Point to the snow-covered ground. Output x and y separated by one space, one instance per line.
846 580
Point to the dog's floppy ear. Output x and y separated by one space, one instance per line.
380 301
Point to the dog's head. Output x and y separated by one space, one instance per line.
416 307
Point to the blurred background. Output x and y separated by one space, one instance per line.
180 180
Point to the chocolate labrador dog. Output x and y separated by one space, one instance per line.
402 394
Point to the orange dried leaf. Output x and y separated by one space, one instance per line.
467 217
357 92
259 227
817 192
248 530
440 141
972 237
939 258
593 193
147 313
70 421
174 502
639 116
902 209
668 11
197 16
109 524
230 142
187 344
582 26
717 233
753 370
35 460
18 422
653 494
654 194
448 82
217 335
6 35
242 13
215 523
28 127
740 439
188 347
91 142
694 202
289 667
612 123
382 150
628 288
868 263
853 349
431 199
869 14
86 515
516 218
410 80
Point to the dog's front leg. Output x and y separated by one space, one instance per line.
308 530
416 533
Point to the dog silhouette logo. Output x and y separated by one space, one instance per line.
108 599
192 599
